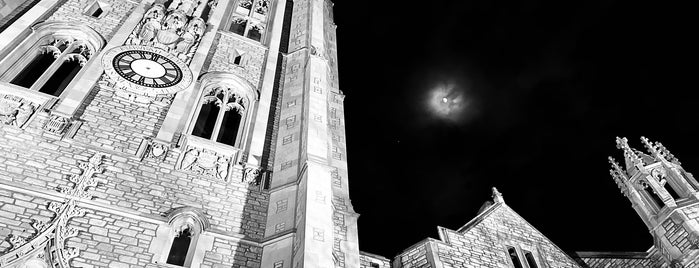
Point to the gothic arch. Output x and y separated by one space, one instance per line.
53 49
220 95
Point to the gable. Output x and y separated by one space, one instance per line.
485 241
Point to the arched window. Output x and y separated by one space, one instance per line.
249 18
187 224
49 59
224 109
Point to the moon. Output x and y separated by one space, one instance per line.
448 101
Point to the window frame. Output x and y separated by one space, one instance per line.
212 81
179 219
41 37
250 19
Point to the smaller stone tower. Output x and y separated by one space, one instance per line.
666 198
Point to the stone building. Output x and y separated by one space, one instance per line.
172 133
209 133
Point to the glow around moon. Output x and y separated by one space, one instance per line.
449 102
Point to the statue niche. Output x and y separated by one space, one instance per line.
176 29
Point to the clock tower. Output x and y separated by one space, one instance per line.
176 133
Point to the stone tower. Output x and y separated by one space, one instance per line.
665 196
178 133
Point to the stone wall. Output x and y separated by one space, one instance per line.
229 45
115 13
414 257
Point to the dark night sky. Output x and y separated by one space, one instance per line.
549 84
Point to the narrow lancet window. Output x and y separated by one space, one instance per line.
61 78
28 76
530 260
512 252
180 247
206 120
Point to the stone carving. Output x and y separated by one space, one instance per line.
157 150
176 29
48 245
57 124
206 162
251 175
15 111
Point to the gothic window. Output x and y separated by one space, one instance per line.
249 18
512 253
51 57
178 243
180 247
224 109
531 261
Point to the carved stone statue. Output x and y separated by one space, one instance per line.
172 26
148 31
195 29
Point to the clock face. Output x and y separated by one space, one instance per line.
146 70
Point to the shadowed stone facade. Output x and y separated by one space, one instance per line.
208 133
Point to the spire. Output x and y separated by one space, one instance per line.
632 158
619 175
650 147
497 196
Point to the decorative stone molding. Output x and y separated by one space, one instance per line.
208 158
48 245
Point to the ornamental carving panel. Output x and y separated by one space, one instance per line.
15 110
208 158
47 248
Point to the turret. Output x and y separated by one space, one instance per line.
664 195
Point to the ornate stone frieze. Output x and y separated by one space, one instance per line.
48 245
15 110
208 158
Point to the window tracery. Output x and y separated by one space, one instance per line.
223 111
249 18
51 57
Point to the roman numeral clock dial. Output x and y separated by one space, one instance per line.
146 70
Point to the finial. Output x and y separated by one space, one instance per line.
632 158
649 146
497 196
666 153
619 175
